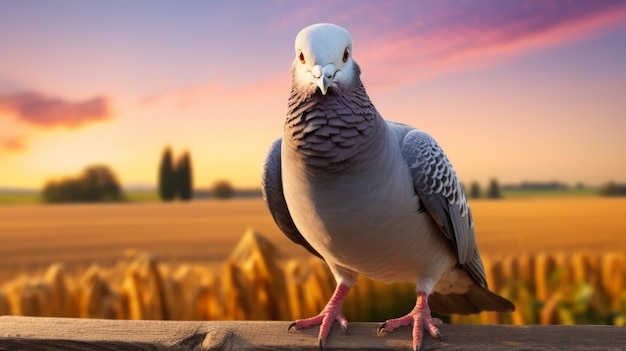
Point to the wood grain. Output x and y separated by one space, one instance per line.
37 333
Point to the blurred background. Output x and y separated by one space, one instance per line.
132 136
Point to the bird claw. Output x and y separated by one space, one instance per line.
421 320
381 329
327 317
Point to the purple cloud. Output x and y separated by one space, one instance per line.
47 112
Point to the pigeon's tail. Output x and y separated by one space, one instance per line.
475 300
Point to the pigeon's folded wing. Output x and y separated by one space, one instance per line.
441 193
272 188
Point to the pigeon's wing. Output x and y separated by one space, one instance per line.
441 194
272 188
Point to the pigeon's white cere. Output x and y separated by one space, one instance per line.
323 56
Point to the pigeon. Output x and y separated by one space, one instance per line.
369 196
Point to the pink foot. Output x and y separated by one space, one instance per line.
420 318
326 318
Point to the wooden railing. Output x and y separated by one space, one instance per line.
38 333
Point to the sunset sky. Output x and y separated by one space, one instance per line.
517 90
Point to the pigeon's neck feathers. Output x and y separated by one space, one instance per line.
336 131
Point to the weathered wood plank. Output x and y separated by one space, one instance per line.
30 333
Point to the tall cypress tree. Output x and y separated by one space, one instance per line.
184 178
167 177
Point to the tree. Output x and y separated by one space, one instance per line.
95 184
223 190
493 191
474 190
184 179
100 184
167 177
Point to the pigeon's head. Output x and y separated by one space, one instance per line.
323 57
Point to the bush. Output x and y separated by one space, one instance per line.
96 184
223 190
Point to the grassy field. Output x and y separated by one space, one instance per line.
571 192
19 198
28 197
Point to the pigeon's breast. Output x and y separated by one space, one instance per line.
367 220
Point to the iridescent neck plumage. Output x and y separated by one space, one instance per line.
335 131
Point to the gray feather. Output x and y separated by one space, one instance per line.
476 299
272 188
440 192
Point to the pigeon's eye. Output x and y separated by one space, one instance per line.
301 57
346 55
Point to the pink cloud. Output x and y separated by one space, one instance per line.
428 40
47 112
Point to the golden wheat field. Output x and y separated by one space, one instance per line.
34 236
561 260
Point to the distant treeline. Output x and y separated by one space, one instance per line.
613 189
609 189
494 190
553 185
175 180
476 192
98 183
236 193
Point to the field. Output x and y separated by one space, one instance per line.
35 236
545 253
34 197
20 198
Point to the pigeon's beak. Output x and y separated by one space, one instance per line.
323 76
323 83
